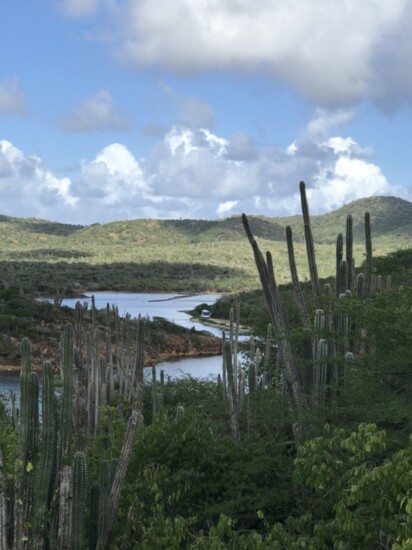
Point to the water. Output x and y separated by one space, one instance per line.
10 381
169 306
196 367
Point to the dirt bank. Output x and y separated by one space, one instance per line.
174 346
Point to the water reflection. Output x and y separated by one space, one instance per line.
169 306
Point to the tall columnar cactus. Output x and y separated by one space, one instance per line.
277 315
310 248
93 523
3 509
139 358
234 338
105 484
46 468
155 395
66 420
368 245
25 350
79 501
78 327
33 416
343 278
360 285
231 392
133 426
295 279
339 257
267 374
320 372
349 249
109 358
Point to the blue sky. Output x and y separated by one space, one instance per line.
121 109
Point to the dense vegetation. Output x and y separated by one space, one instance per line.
303 444
182 255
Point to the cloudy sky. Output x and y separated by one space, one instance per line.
121 109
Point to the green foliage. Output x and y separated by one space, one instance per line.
357 498
8 441
181 255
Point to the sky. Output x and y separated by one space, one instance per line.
125 109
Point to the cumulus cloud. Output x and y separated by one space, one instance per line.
334 53
221 176
195 173
28 188
96 114
12 98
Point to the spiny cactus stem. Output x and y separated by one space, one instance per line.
339 257
368 245
295 279
349 249
79 501
310 248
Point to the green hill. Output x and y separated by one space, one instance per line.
186 255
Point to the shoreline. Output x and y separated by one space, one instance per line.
162 358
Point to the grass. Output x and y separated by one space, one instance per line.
183 255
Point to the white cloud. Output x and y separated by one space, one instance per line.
225 207
334 53
195 174
28 188
12 98
324 120
79 8
113 178
96 114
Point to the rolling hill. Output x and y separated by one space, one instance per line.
187 255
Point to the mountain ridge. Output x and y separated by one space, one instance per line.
389 215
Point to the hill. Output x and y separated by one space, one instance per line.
183 255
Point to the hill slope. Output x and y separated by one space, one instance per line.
187 255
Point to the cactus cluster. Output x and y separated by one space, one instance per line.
331 341
50 499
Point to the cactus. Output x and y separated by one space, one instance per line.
231 392
277 315
368 245
3 509
360 285
46 468
93 523
24 389
79 501
343 278
349 250
295 279
133 426
33 420
339 257
66 420
105 483
320 371
155 397
310 249
267 375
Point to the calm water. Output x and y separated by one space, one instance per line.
169 306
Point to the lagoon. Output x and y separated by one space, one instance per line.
170 306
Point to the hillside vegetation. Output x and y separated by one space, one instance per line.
183 255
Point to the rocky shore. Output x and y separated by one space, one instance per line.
175 346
